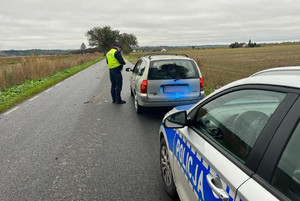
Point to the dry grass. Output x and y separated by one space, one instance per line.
223 65
16 70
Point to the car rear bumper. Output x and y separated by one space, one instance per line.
144 101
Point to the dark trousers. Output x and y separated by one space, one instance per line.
116 83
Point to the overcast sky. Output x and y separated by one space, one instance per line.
62 24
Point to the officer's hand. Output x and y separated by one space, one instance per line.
126 61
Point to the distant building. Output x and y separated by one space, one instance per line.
245 45
163 50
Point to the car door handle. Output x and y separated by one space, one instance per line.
216 186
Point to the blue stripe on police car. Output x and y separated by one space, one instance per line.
192 165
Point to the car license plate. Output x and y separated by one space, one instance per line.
175 89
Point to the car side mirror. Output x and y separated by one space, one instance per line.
128 70
176 120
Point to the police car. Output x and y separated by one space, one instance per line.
239 143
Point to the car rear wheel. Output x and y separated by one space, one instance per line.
131 93
139 109
166 170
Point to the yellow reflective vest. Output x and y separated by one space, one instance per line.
111 60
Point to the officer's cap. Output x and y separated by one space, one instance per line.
118 45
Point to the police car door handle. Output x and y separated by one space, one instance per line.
217 188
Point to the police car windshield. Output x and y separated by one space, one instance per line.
172 69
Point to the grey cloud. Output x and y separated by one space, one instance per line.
63 23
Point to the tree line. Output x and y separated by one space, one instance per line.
239 45
6 53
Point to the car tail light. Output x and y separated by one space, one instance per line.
144 86
201 84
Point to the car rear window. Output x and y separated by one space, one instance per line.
172 69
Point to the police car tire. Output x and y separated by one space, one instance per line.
171 189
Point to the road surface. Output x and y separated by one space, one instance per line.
71 143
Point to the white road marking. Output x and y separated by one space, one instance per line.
48 90
33 98
10 111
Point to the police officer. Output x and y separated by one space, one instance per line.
115 63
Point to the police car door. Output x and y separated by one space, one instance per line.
278 175
212 151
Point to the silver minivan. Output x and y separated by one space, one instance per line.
167 79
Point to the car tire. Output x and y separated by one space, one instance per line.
166 171
131 93
139 109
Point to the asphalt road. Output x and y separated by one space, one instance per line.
71 143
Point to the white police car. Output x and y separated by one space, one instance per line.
239 143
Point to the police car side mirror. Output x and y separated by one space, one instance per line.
176 120
128 70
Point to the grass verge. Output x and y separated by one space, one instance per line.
10 97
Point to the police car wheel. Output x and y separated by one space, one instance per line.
138 108
165 168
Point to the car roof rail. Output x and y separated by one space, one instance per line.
162 54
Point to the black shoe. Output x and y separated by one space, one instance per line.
121 102
113 101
